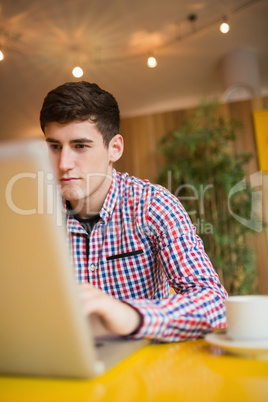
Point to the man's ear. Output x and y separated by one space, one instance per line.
116 147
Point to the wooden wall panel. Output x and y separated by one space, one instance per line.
141 158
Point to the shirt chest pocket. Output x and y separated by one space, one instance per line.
124 255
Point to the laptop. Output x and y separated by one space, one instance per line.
43 331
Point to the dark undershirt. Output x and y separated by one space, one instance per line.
88 223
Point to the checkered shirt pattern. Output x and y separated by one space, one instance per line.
143 244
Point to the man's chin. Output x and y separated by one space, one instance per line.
72 193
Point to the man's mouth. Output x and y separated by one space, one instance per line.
68 180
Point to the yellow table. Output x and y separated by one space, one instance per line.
191 371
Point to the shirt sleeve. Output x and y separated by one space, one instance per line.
198 306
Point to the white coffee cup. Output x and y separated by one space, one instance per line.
247 317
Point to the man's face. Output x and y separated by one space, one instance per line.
83 163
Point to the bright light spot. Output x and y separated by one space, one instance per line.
77 72
151 62
1 55
224 28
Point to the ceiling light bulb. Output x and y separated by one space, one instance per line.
224 28
77 72
1 55
151 62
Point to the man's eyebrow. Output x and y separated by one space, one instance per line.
81 140
76 141
52 140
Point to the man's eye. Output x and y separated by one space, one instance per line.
54 146
80 146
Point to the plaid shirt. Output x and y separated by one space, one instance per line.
143 244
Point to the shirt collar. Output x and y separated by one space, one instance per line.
111 199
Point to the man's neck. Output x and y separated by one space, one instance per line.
91 205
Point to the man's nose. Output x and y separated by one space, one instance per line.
66 161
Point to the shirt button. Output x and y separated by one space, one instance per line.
93 267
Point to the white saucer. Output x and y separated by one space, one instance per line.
253 348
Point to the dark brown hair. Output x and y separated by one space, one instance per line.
82 101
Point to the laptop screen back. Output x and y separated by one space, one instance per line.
43 331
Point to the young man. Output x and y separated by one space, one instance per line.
130 240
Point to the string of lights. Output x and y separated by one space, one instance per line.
223 22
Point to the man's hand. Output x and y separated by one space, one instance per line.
118 317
